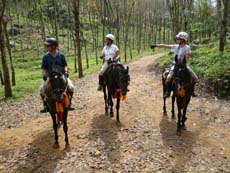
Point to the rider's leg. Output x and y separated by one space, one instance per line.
71 91
101 78
194 81
168 84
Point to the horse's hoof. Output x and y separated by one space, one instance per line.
67 148
56 145
111 114
59 124
178 132
165 113
118 123
184 127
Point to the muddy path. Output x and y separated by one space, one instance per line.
145 142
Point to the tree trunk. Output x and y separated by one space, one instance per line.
42 24
5 20
223 26
76 6
55 18
1 78
7 86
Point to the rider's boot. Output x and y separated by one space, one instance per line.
45 107
193 94
168 89
71 108
101 80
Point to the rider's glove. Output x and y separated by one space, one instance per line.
110 60
66 74
153 46
44 78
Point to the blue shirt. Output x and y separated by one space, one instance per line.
49 62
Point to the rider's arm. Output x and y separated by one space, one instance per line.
45 72
117 56
44 66
187 55
164 46
102 56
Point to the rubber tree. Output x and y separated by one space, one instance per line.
76 9
6 75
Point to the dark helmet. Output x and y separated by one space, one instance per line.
51 41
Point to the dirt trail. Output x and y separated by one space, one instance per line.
146 141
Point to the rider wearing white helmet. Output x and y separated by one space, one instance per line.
110 53
182 53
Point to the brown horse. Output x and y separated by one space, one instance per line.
58 101
116 83
182 90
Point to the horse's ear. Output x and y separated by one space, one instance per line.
127 68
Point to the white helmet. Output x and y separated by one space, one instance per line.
110 36
182 35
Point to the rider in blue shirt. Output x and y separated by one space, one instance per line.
53 59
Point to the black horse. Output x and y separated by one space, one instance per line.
167 88
182 90
116 83
57 98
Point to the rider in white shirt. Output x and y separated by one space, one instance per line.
110 53
182 53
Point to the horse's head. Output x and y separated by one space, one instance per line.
124 80
58 84
182 79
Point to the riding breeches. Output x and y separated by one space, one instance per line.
104 67
43 86
192 73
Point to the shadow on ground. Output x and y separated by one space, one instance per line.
104 132
40 156
181 146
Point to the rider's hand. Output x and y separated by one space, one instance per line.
66 74
110 60
153 46
44 78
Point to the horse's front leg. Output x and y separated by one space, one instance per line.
55 128
105 99
118 107
65 129
179 102
110 103
184 118
164 107
173 103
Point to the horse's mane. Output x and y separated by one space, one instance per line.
184 74
117 65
